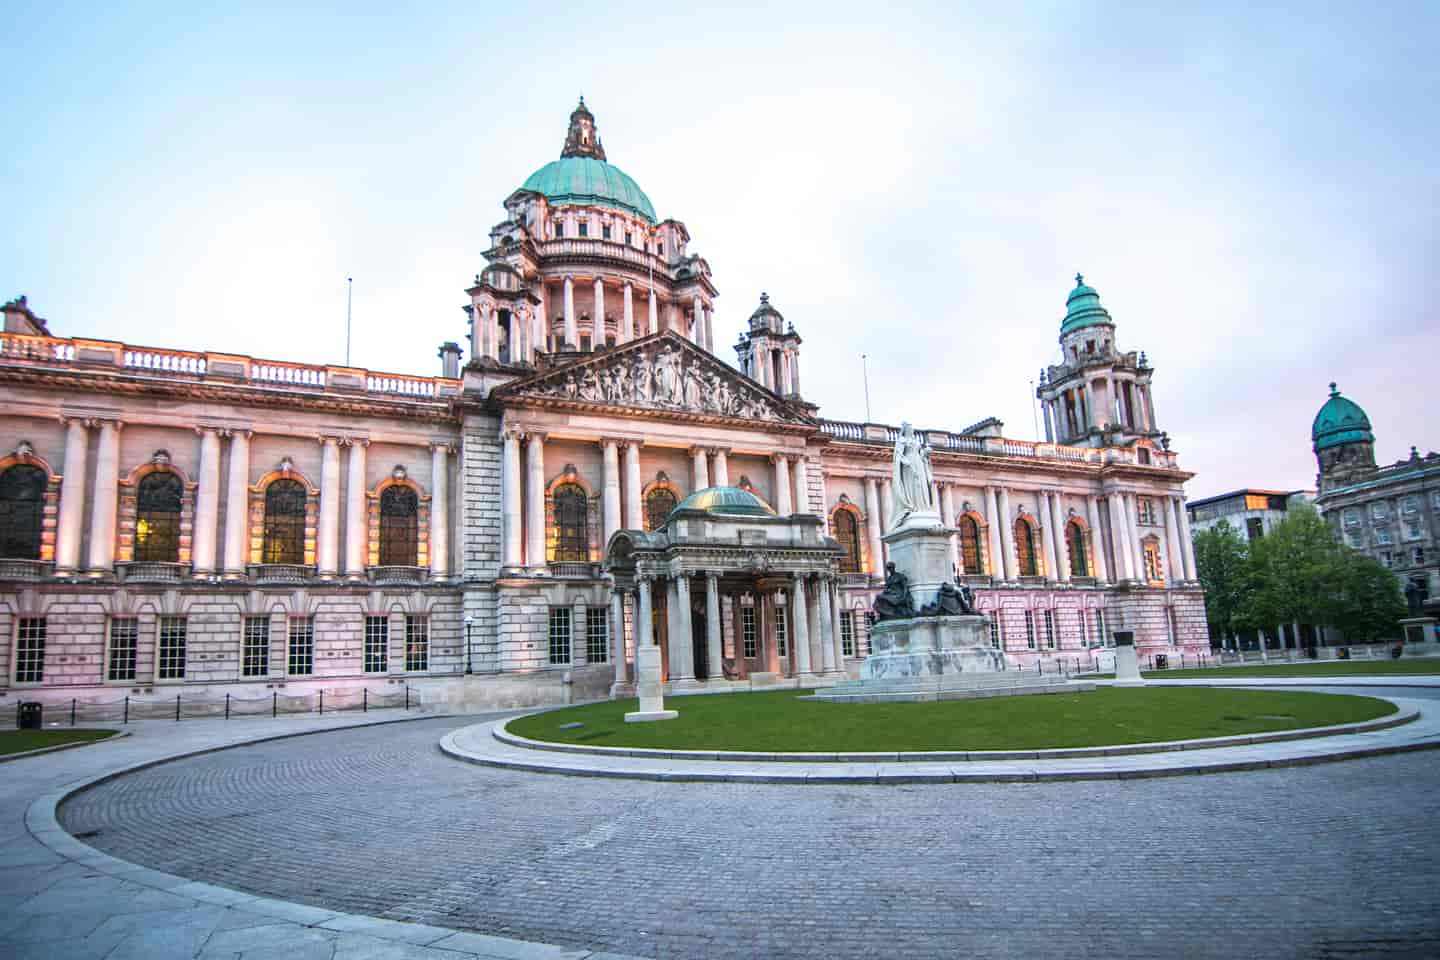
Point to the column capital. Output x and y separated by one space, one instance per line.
441 446
610 442
629 285
353 441
331 440
536 436
102 422
712 576
780 457
511 431
234 432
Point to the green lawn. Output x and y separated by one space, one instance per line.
1324 668
782 721
18 741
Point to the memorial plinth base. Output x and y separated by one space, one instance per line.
652 688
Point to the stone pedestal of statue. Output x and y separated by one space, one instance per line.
930 647
650 687
1127 664
920 549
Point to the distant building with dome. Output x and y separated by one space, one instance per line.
587 475
1392 512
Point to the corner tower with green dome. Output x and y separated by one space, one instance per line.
582 262
1343 444
1097 395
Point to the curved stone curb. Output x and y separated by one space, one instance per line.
1410 729
43 824
1401 716
116 735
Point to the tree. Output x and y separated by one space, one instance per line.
1222 564
1295 569
1368 602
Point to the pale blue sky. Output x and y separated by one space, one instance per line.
1252 191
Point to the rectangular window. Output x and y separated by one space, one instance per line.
1379 510
995 640
1352 517
1382 537
1102 637
559 229
124 639
660 249
628 240
377 643
584 229
605 233
417 643
1084 629
1152 563
597 634
1410 506
782 631
1173 624
559 635
1050 629
302 647
30 650
1385 558
255 655
747 631
1029 630
172 648
1147 511
1419 556
847 633
1254 528
1412 530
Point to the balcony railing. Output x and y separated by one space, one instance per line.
605 249
280 573
574 570
854 579
147 571
401 576
879 433
25 569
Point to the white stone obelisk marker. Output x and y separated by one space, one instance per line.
651 688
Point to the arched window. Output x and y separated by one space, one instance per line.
157 518
1025 549
1154 572
970 546
847 531
284 523
22 505
571 540
399 527
1075 544
658 504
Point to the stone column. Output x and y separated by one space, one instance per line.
872 527
802 485
782 485
1095 540
535 504
439 510
1149 407
654 318
1062 555
1049 430
819 610
683 637
627 326
947 517
207 503
722 468
611 490
1187 544
327 552
1174 557
836 642
72 499
477 329
713 646
572 324
237 505
597 318
540 323
993 523
799 626
1132 538
697 334
766 625
617 634
355 539
1007 552
699 469
784 386
511 528
709 330
107 482
1124 560
644 618
886 505
634 517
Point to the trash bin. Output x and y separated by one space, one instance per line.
1162 661
1342 653
29 716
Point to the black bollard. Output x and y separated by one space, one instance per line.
274 704
227 706
177 708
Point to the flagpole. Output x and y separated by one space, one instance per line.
349 286
865 373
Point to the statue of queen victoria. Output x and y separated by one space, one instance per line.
912 478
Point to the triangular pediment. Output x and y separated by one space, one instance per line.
663 371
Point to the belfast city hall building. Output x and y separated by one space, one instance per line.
589 475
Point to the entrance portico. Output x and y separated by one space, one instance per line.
733 594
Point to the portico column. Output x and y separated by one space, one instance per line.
1149 407
597 319
1187 545
800 621
627 326
1049 430
102 515
327 549
207 503
477 349
439 510
699 469
782 485
802 485
654 319
709 330
872 527
820 606
611 493
355 545
682 642
1006 551
237 505
510 498
697 333
1057 524
72 499
535 503
540 323
993 524
634 520
1174 557
572 324
713 646
1131 539
1096 541
836 641
617 634
644 618
947 517
1124 561
722 468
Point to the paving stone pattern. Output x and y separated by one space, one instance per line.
1336 860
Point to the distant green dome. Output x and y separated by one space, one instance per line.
1340 421
725 502
590 182
1082 308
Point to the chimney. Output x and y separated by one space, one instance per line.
449 360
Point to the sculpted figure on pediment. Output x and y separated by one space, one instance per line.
667 376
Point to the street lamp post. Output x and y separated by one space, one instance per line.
469 622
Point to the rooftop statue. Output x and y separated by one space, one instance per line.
912 476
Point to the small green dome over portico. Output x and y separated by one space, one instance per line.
1340 420
1083 309
725 502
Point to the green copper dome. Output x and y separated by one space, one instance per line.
590 182
1340 421
1082 308
725 502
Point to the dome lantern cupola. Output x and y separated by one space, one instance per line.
1083 309
582 140
583 177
